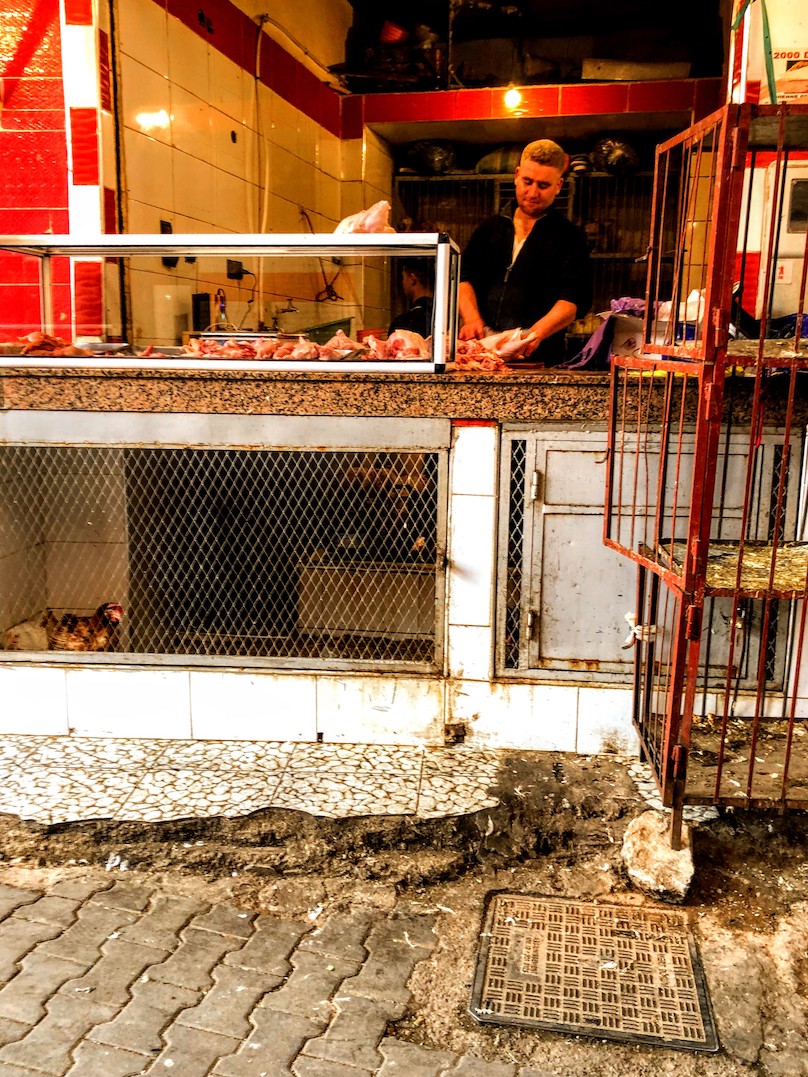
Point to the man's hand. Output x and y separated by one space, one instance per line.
472 330
531 347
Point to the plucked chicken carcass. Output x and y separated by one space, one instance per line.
76 632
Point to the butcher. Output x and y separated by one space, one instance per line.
528 267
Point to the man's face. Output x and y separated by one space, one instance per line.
536 187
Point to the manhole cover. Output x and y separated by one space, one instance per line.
612 971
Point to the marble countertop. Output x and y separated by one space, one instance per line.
517 395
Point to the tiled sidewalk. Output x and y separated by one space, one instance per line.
66 779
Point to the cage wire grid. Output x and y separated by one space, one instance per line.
614 972
222 552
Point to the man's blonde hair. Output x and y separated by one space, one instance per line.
545 152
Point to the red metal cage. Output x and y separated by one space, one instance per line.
706 482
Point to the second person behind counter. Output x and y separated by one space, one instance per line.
418 286
528 267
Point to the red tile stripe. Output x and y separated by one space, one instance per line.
104 71
84 143
89 302
78 12
110 211
233 33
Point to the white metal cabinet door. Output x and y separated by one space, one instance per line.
562 595
572 592
581 589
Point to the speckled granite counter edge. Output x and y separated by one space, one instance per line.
513 396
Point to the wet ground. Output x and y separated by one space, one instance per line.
549 824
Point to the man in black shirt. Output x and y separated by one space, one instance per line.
528 267
418 286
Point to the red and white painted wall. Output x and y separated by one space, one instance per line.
176 113
117 117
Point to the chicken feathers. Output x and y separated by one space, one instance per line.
75 632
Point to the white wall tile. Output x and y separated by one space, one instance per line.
329 155
143 27
194 188
291 179
351 158
146 97
106 127
231 89
229 144
80 66
149 170
470 652
352 198
171 304
190 124
82 575
129 703
142 218
471 566
284 125
232 208
327 200
254 706
34 700
188 59
380 710
745 706
308 131
474 460
282 215
378 164
802 678
604 722
22 586
531 717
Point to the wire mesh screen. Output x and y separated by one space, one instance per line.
261 554
615 213
452 204
515 546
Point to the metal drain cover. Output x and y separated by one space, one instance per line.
617 972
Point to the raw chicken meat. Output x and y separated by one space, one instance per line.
509 344
374 219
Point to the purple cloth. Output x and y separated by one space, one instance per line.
596 352
635 308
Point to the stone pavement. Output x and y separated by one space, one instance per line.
108 978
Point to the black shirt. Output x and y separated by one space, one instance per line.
418 319
553 264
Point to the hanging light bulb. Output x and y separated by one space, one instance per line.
513 98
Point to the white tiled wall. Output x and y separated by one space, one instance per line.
234 156
128 702
259 706
34 701
347 707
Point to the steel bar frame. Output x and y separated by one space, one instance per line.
672 417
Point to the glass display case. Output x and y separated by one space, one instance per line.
274 302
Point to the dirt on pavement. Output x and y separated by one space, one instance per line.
557 831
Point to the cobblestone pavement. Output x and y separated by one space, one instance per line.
106 977
111 979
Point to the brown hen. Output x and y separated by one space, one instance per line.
74 632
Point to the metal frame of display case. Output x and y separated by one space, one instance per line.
420 244
720 580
